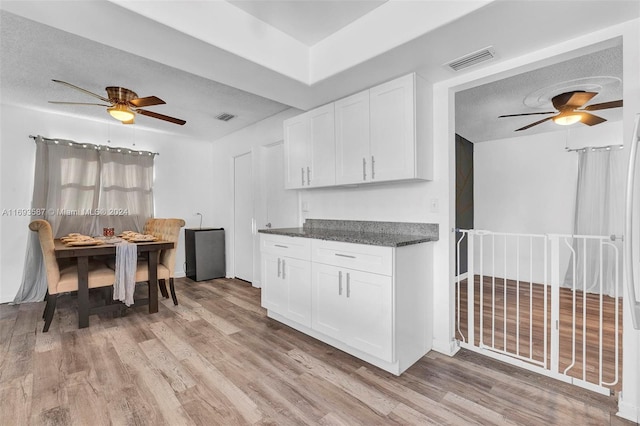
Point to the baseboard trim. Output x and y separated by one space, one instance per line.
628 411
449 348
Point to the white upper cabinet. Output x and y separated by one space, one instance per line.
393 136
309 141
352 138
382 133
378 135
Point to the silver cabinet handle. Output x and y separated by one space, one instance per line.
364 168
283 269
373 167
280 245
348 285
278 267
339 283
345 255
302 175
308 176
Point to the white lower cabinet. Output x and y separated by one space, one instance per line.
370 301
354 307
286 287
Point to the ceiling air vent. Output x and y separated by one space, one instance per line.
225 116
471 59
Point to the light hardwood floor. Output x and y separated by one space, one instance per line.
216 359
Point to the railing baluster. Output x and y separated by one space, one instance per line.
517 295
493 290
600 315
530 299
504 294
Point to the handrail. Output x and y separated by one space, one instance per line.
628 227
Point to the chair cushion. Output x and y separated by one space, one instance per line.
99 276
142 273
142 270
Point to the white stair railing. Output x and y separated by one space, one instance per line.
531 268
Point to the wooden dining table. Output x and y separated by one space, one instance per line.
82 255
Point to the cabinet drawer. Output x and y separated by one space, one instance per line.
361 257
282 245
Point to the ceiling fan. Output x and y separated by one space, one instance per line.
567 113
123 104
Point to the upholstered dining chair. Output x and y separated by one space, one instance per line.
168 230
62 279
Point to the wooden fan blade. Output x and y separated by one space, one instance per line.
82 90
603 105
534 124
579 98
148 101
590 119
77 103
161 116
527 113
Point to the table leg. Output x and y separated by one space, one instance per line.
83 291
153 281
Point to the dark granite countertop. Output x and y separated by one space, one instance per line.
393 235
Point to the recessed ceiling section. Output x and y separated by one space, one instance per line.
478 109
308 21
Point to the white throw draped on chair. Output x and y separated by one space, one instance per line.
126 264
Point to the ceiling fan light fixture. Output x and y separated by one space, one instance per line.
567 120
121 112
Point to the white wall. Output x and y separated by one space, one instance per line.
183 176
249 139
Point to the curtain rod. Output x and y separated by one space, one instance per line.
594 148
99 146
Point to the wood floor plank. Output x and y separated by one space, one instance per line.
216 359
413 401
373 398
17 394
153 385
198 364
179 379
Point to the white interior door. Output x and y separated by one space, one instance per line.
243 218
281 205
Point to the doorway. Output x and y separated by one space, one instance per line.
243 222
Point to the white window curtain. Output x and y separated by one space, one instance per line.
83 188
127 189
598 211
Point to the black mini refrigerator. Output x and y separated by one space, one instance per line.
205 258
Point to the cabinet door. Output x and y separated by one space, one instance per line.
322 147
393 138
274 288
296 148
352 139
369 299
329 310
297 276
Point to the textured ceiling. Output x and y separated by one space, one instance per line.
187 72
33 54
308 21
478 108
